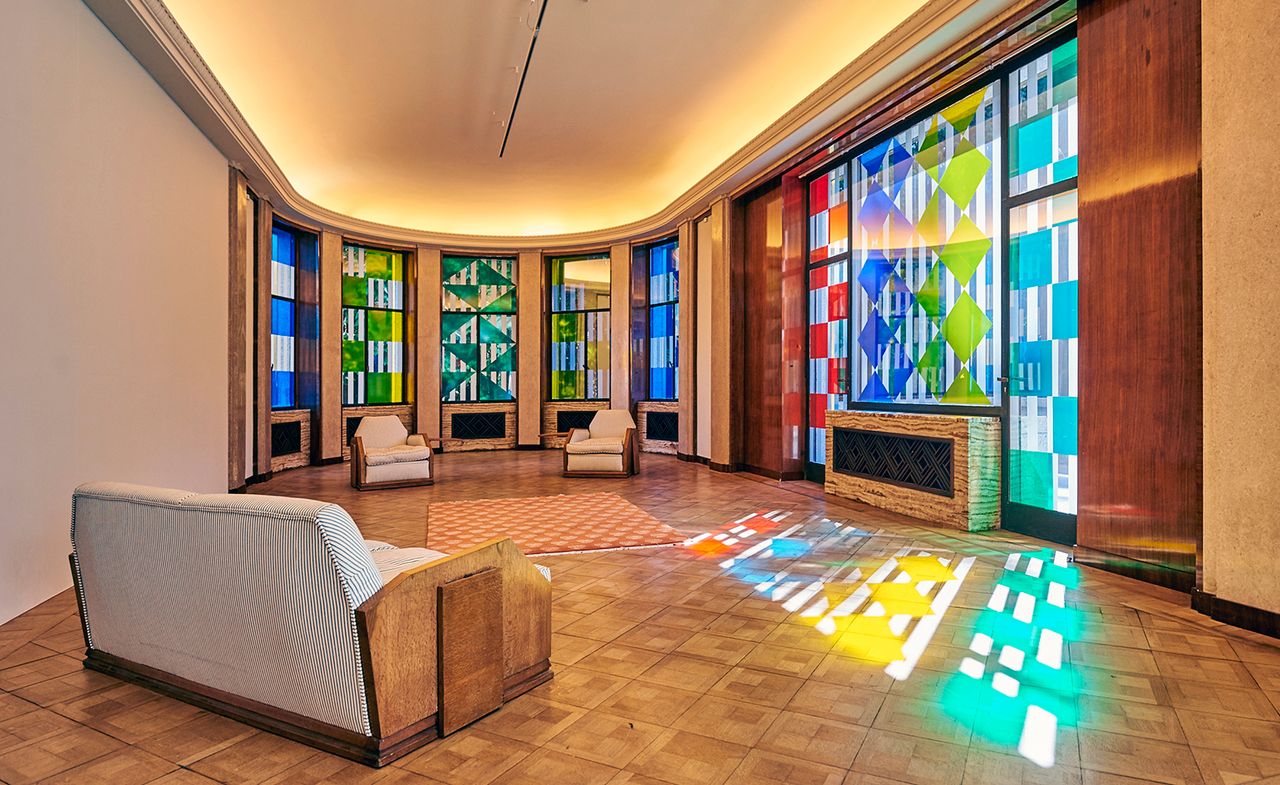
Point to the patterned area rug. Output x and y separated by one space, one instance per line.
547 524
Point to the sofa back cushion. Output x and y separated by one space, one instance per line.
252 595
611 424
381 430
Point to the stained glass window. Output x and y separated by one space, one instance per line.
664 320
580 328
927 299
828 350
478 329
372 326
829 214
1043 121
284 284
1044 272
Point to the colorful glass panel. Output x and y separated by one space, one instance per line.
1043 120
1044 380
373 283
579 331
664 321
283 321
478 329
927 300
829 214
828 350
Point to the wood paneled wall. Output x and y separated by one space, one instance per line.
762 332
529 325
620 326
427 342
1140 287
238 216
726 340
262 340
687 378
329 421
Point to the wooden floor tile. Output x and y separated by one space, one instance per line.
727 720
1130 756
1130 718
620 660
197 738
856 705
606 738
755 686
717 648
927 719
53 754
655 637
546 765
1188 668
127 766
761 767
1234 734
1217 699
599 626
1195 644
678 670
685 758
910 759
988 767
1221 767
580 687
774 658
530 719
254 760
804 736
650 702
469 757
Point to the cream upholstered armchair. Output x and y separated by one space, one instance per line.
607 448
384 455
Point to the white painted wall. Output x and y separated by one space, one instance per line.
113 218
702 355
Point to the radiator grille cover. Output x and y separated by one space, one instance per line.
662 426
286 438
571 418
479 425
918 462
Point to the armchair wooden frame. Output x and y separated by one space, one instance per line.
630 456
397 634
359 467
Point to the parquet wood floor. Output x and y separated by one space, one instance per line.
672 669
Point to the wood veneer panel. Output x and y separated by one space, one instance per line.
529 321
237 315
329 418
687 378
726 335
795 327
1140 286
469 636
762 332
427 343
262 340
620 326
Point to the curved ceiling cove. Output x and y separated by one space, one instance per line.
393 111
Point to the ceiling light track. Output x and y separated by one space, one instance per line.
523 73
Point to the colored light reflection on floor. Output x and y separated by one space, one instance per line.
1016 686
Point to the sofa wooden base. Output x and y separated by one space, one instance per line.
323 736
379 486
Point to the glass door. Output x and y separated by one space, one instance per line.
1041 463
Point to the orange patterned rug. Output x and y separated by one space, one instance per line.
547 524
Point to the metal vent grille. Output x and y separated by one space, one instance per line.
912 461
662 426
286 438
569 418
479 425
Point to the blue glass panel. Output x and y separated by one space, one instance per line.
282 246
664 329
281 317
281 389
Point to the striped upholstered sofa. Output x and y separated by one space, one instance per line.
277 612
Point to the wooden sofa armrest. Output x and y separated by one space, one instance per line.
397 631
357 461
630 452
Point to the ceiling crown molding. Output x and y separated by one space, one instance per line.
150 33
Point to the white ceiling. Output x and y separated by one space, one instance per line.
391 111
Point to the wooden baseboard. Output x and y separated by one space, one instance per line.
328 461
1132 568
1236 614
722 467
530 446
520 682
692 458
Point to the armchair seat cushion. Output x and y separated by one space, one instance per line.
393 561
400 453
605 446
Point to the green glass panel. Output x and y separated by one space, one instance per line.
503 362
489 391
965 327
1031 478
491 333
382 388
355 291
505 303
453 324
450 381
964 390
385 325
353 356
